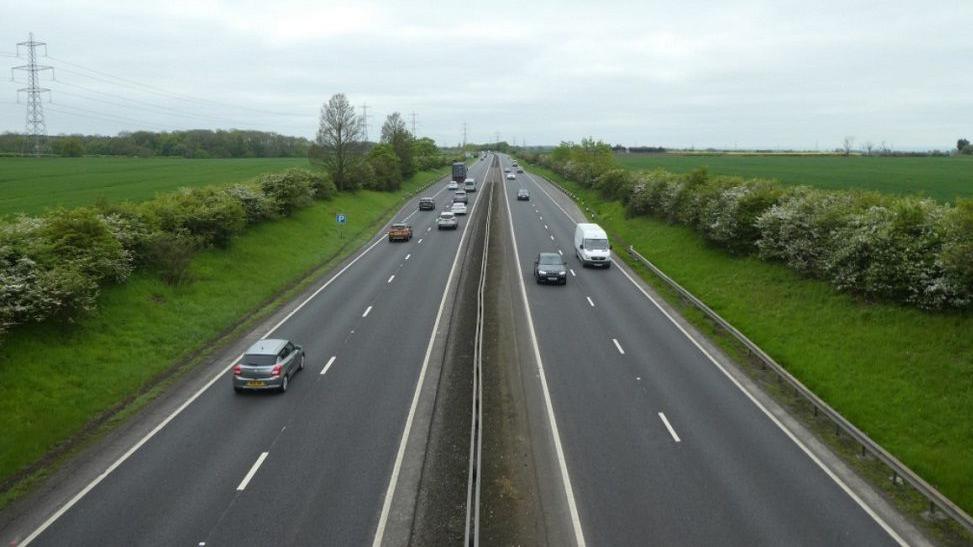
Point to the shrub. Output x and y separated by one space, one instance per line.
256 206
209 214
288 191
387 176
83 240
730 217
956 256
614 183
172 254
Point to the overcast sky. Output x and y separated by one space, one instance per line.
756 73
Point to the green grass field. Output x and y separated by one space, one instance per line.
944 179
903 376
30 185
69 374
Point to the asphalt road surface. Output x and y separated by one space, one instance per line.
309 467
653 444
660 447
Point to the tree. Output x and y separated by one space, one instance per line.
386 171
70 147
869 146
339 145
847 144
395 134
962 146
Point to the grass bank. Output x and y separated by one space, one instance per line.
69 375
903 376
942 178
30 185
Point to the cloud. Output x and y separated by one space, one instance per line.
710 73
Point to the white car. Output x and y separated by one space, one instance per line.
446 221
511 176
452 185
459 208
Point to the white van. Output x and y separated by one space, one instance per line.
470 185
591 245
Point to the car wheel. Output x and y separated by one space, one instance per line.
608 266
302 362
237 389
283 384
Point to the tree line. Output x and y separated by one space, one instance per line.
196 143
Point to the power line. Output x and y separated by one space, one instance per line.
85 113
149 107
36 127
166 93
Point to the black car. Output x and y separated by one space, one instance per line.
550 268
523 195
427 204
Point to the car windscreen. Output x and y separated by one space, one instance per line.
550 260
259 360
596 244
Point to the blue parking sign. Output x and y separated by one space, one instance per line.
340 218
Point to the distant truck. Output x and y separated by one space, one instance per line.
459 172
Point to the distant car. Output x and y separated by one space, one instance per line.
523 195
447 221
460 196
506 169
400 232
427 204
511 176
268 364
520 169
550 268
459 208
452 185
469 185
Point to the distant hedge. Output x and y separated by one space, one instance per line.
52 266
911 250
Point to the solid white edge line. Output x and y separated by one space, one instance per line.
558 449
827 470
390 278
400 454
368 310
148 436
253 471
619 346
328 365
590 301
669 427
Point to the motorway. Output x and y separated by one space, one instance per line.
660 447
643 438
309 467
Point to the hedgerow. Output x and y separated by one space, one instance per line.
910 250
53 266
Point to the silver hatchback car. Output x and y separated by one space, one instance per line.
268 364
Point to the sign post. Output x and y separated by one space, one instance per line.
341 219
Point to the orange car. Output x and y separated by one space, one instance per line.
400 232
